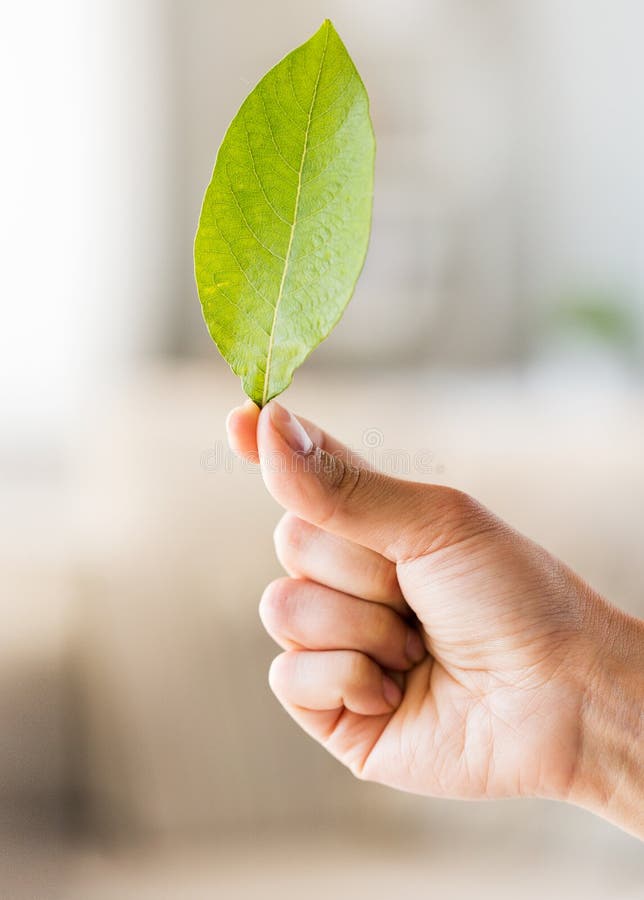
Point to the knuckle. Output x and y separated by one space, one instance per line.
386 577
344 476
376 623
462 515
359 669
455 500
450 517
386 635
343 481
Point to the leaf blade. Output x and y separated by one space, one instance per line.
285 222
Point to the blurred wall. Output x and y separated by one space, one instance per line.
580 179
508 168
441 251
509 178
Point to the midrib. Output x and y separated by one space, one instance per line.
287 258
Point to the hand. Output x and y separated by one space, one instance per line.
430 647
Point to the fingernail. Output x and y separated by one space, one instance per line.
290 429
391 691
415 648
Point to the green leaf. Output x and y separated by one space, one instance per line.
285 221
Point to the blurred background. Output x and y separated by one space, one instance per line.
495 342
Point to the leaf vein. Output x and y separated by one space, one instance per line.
295 211
242 270
285 113
328 201
248 225
335 102
272 134
259 182
295 97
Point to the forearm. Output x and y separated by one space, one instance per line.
609 778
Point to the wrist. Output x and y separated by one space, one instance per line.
608 777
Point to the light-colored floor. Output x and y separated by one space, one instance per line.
318 868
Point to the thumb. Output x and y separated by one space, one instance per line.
325 483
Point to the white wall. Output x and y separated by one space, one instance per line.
86 186
580 149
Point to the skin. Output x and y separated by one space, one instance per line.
430 647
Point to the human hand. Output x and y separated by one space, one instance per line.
430 647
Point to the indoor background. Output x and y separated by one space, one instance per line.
495 342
